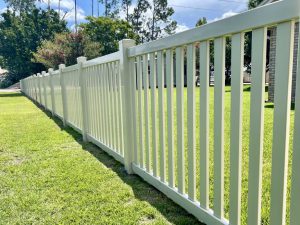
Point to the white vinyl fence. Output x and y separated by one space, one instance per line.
123 102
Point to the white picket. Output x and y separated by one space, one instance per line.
256 124
281 128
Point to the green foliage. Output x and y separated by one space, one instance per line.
20 36
65 49
107 32
254 3
20 5
201 22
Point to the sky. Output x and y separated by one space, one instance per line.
187 12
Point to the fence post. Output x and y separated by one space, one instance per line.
63 94
50 71
45 90
82 84
126 77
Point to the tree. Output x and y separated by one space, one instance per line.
107 32
254 3
65 49
21 34
201 22
125 6
138 19
160 24
20 5
110 8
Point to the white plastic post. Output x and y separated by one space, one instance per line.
127 89
50 71
82 84
63 94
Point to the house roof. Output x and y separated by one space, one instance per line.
266 2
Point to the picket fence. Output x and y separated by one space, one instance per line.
107 100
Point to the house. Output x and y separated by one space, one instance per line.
272 58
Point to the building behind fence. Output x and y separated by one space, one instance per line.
105 100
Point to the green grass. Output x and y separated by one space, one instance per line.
48 177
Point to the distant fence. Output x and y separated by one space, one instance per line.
106 100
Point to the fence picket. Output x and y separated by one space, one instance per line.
237 63
180 119
191 55
146 106
281 129
161 108
204 124
295 193
256 124
140 105
219 127
134 108
170 84
153 109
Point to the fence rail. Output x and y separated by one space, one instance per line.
132 104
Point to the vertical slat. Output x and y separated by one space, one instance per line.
117 109
161 108
256 124
281 128
180 119
98 101
113 111
121 112
133 76
153 109
140 105
295 189
170 84
102 104
237 62
146 106
219 91
105 71
204 124
191 121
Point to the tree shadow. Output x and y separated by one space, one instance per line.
143 191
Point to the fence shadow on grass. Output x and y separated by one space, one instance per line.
142 190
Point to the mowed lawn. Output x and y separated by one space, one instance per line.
48 177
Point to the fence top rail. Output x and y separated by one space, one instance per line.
267 15
103 59
70 68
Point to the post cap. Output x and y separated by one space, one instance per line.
81 59
62 66
50 70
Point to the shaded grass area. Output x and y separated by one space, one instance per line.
48 176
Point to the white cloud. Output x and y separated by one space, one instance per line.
225 15
68 8
181 28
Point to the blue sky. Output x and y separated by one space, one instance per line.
187 12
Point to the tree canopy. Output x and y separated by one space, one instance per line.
254 3
107 32
65 49
20 36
